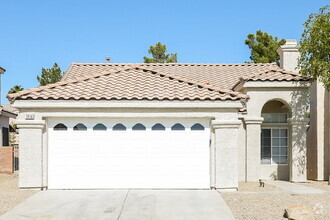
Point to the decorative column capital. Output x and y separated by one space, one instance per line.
253 120
30 124
218 124
301 122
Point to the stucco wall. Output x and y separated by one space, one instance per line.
318 133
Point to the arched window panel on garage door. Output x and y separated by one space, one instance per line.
178 127
80 127
100 127
60 127
119 127
139 127
158 127
197 127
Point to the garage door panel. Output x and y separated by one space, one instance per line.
128 159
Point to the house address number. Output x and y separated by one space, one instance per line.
29 117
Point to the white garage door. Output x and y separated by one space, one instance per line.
101 154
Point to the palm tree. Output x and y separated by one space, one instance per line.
16 88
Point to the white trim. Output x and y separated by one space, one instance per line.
277 84
33 124
124 104
216 124
253 120
201 115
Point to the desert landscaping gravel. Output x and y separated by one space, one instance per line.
10 195
254 187
271 204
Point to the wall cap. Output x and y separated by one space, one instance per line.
304 121
253 120
30 124
225 124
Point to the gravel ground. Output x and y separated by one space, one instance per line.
10 195
271 205
254 187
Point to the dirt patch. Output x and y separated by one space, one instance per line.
271 205
10 195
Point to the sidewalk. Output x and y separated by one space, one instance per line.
295 188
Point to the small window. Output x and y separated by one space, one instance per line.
100 127
80 127
158 127
119 127
139 127
178 127
274 146
60 127
197 127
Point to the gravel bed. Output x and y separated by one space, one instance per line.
10 195
271 205
254 187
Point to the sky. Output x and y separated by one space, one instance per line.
38 33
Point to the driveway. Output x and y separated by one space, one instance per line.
122 204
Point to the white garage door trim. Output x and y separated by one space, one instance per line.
150 158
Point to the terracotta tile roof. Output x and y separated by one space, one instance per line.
2 70
9 108
272 74
220 75
128 82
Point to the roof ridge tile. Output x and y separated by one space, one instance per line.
177 64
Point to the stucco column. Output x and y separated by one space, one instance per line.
298 169
253 148
30 151
226 153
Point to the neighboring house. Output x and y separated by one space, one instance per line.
6 114
2 70
165 125
318 134
13 132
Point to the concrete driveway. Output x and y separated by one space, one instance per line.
122 204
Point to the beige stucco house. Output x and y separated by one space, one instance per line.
173 125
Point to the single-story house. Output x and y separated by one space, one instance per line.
6 115
171 125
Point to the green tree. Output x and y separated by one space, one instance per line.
16 88
263 47
315 47
50 75
159 55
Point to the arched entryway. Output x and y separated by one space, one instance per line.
275 139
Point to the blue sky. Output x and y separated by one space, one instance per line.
35 34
